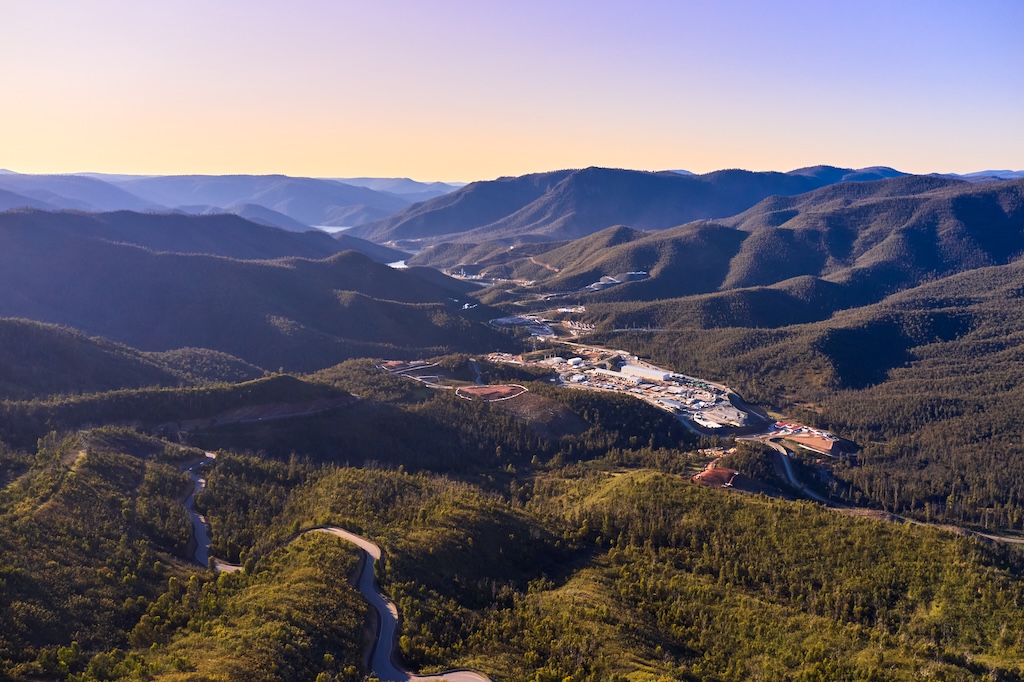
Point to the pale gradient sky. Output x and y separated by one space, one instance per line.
456 90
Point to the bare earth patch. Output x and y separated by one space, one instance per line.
490 394
716 477
720 477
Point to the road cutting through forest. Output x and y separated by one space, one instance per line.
785 456
382 657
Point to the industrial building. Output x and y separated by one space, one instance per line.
617 375
646 373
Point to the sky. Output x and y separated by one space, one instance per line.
467 90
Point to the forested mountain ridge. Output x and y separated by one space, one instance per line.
295 313
872 239
841 246
928 382
476 204
40 360
526 557
570 204
218 235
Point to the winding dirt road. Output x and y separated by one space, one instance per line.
546 266
382 660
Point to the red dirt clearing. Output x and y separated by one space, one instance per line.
490 393
715 477
817 443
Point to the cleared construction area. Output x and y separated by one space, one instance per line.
490 394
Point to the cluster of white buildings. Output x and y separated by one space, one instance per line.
676 393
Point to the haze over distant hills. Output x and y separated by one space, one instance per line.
74 192
410 190
306 200
538 207
218 235
574 203
989 175
10 200
286 202
785 247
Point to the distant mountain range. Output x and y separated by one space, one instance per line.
286 202
410 190
539 207
574 203
74 192
988 175
218 235
726 248
783 261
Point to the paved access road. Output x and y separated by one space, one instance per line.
382 661
793 481
200 530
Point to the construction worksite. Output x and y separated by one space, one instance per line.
701 405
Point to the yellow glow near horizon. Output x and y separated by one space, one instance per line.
462 91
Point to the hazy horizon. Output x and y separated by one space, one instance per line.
463 182
468 91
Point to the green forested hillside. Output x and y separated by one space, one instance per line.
587 555
928 382
96 584
401 424
161 409
296 618
88 536
589 574
39 360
